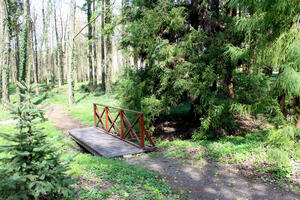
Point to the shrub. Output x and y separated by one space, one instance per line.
219 121
281 163
280 138
32 168
278 157
152 108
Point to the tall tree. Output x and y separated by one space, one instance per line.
35 54
5 52
108 49
95 63
103 57
47 56
72 56
24 45
59 54
90 43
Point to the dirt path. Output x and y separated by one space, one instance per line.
210 182
62 119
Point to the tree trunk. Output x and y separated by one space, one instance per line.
24 45
64 58
52 68
59 56
30 55
108 50
95 63
103 63
17 56
46 20
71 62
52 60
5 56
230 86
90 49
35 56
281 101
297 101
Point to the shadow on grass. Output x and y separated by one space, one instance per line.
82 98
233 144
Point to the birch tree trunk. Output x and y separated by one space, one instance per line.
52 59
71 62
103 63
108 50
5 55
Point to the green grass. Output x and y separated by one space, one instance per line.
119 179
4 115
238 149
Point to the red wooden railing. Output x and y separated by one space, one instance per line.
127 128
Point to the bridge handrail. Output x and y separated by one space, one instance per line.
110 123
117 108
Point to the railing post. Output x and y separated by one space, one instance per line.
122 124
106 119
142 131
95 117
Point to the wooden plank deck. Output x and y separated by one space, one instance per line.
99 142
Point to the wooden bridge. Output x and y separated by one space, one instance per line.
114 136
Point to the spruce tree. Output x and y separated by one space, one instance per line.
32 168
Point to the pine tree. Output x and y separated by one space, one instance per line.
32 168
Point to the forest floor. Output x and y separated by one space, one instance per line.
206 178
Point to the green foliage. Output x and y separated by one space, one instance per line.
289 81
188 59
130 89
32 168
152 108
281 161
279 157
251 88
126 181
282 138
218 117
282 148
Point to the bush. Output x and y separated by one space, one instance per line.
134 94
152 108
281 138
280 172
281 163
130 89
278 157
219 121
32 168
